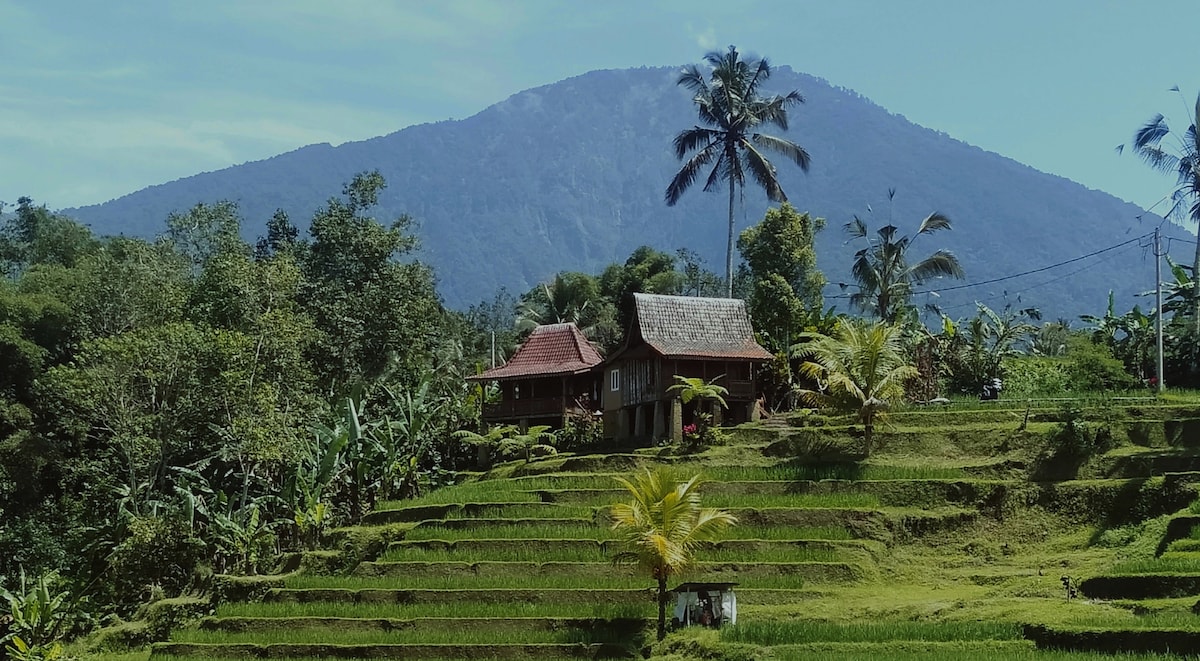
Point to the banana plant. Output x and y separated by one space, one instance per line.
19 650
37 613
309 486
240 535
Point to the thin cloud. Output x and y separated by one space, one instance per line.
706 39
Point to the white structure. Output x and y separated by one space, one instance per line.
706 604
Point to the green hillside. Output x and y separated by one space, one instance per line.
949 543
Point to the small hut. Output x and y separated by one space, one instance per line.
705 604
552 377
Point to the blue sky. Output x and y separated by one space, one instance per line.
98 99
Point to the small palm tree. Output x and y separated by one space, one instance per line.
731 109
859 366
485 443
662 526
690 388
537 437
1183 160
881 269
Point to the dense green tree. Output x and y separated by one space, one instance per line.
781 265
696 279
369 307
36 235
206 231
1183 161
646 271
882 270
731 108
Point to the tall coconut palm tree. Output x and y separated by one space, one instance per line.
881 268
662 526
1183 160
859 366
731 111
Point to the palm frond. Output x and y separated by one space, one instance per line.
1152 133
792 151
693 79
940 263
687 174
764 173
934 222
695 138
857 228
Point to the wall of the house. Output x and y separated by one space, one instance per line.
640 408
544 400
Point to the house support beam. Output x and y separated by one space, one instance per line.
676 420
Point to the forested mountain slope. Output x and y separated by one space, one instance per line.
570 176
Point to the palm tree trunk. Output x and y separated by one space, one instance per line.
1195 285
662 607
868 431
729 247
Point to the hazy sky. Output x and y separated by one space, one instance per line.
98 99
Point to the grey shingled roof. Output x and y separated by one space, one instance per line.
692 327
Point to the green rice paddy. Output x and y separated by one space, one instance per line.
456 635
802 631
453 609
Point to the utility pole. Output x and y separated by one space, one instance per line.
1158 309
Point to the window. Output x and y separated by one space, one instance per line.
614 379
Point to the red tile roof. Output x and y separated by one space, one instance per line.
693 327
551 350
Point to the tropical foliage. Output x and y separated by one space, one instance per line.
1181 159
883 272
661 526
860 366
731 107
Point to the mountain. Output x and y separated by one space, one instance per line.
570 176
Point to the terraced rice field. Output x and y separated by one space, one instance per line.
912 555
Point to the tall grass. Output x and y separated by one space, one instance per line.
779 632
812 472
510 532
448 634
501 554
777 533
526 511
600 609
597 554
814 500
1167 564
512 582
954 651
605 577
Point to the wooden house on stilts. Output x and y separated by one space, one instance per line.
551 377
685 336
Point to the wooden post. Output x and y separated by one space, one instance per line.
676 420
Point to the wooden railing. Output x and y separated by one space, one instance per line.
522 408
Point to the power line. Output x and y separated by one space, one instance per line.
1023 273
1060 278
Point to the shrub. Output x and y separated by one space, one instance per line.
1033 376
1091 367
1071 444
580 432
157 552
